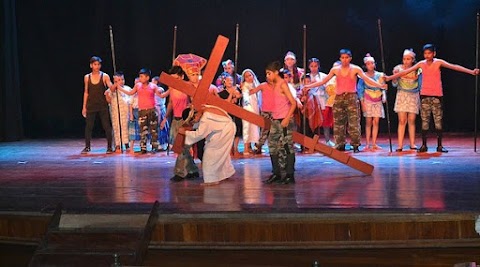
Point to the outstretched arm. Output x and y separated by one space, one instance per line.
107 81
369 80
322 82
459 68
258 88
159 90
166 94
403 73
127 92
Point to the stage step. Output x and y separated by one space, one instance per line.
95 239
315 231
75 221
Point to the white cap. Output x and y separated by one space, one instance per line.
409 52
291 55
367 58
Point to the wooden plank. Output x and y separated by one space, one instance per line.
360 165
210 99
239 111
333 153
210 71
147 234
180 85
201 94
315 141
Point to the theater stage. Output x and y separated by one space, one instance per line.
411 201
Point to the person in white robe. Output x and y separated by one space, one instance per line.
250 102
218 129
115 113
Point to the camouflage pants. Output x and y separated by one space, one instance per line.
265 131
184 163
148 121
346 110
431 105
280 141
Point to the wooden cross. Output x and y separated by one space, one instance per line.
202 96
201 93
342 157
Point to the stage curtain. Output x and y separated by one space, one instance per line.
11 123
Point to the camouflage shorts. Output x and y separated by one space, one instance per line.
431 105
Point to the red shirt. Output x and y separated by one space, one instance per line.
146 95
268 102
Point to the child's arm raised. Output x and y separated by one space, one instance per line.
458 68
322 82
131 92
367 79
404 72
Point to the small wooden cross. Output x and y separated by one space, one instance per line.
202 96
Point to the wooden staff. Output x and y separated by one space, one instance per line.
174 53
112 46
304 117
383 69
235 69
174 50
476 85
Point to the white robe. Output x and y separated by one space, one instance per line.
219 132
251 132
114 114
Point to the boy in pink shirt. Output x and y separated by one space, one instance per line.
147 114
431 91
266 108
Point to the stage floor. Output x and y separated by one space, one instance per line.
35 175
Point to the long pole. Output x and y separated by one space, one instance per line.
304 117
174 54
476 84
174 50
235 69
112 46
383 69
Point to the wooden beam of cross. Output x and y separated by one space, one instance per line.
202 96
312 144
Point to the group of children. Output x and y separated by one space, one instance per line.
334 100
133 112
419 90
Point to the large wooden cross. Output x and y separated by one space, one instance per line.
201 96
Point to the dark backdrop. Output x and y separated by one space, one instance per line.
57 38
